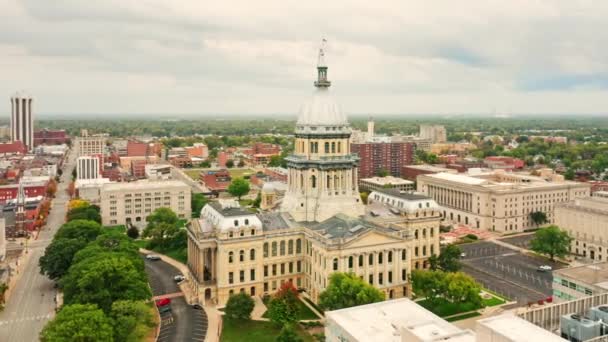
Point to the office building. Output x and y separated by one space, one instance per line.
88 167
434 133
321 226
86 145
411 172
22 120
580 281
388 182
132 202
586 221
497 200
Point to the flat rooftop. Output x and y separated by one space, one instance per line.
384 321
594 274
504 181
514 329
388 180
431 168
144 185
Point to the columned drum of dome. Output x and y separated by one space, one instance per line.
322 178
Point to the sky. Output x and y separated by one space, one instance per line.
193 57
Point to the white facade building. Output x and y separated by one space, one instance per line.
89 145
586 221
88 167
388 182
22 120
132 202
434 133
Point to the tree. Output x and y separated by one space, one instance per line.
91 213
197 202
162 215
551 241
133 232
241 163
109 244
205 164
383 173
85 229
51 188
239 307
131 320
448 260
78 322
58 256
104 280
283 307
77 203
230 163
461 288
275 161
238 187
288 334
428 284
346 290
538 217
257 201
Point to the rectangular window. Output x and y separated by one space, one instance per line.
282 268
252 275
390 277
266 287
371 279
403 274
274 285
265 270
380 278
242 276
274 269
230 278
291 267
299 266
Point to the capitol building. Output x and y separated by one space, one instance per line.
319 227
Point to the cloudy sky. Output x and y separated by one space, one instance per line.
209 57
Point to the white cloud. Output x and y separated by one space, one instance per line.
393 56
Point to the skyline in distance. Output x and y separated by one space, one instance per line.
407 58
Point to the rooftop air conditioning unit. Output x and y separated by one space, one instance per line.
577 328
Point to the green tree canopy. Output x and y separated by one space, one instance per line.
58 256
238 187
131 320
103 280
428 284
89 212
455 287
283 307
239 306
448 260
346 290
230 163
538 217
78 322
108 244
79 229
551 241
162 215
288 334
197 203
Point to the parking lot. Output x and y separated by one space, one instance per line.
522 241
507 271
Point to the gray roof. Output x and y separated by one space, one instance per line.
343 226
405 195
227 212
273 220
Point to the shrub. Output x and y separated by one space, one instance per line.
471 237
239 307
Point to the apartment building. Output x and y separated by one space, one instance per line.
132 202
498 200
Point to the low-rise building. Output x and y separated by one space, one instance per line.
581 281
411 172
388 182
497 200
586 221
216 181
132 202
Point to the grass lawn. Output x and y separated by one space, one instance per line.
444 308
463 316
240 172
118 229
194 174
180 254
254 331
304 312
493 301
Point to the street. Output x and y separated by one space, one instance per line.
31 304
182 323
507 271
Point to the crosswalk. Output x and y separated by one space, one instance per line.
28 319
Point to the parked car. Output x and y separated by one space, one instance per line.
163 302
153 257
164 308
544 268
179 278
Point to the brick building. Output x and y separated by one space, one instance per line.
15 147
9 192
216 181
391 156
50 137
137 148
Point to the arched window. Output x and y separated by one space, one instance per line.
371 259
350 262
313 180
274 248
230 234
253 232
380 257
246 222
333 147
242 255
316 147
403 255
236 223
252 254
335 264
282 247
416 251
432 232
360 260
265 249
423 250
312 147
390 256
290 247
424 233
298 246
416 234
432 249
230 257
326 147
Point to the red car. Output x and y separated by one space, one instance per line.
163 302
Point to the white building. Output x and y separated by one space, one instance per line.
87 145
497 200
132 202
158 171
88 167
388 182
22 120
510 328
586 221
581 281
434 133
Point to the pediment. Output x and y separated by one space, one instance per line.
372 238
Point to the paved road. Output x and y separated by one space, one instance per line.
182 323
508 271
521 241
32 304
